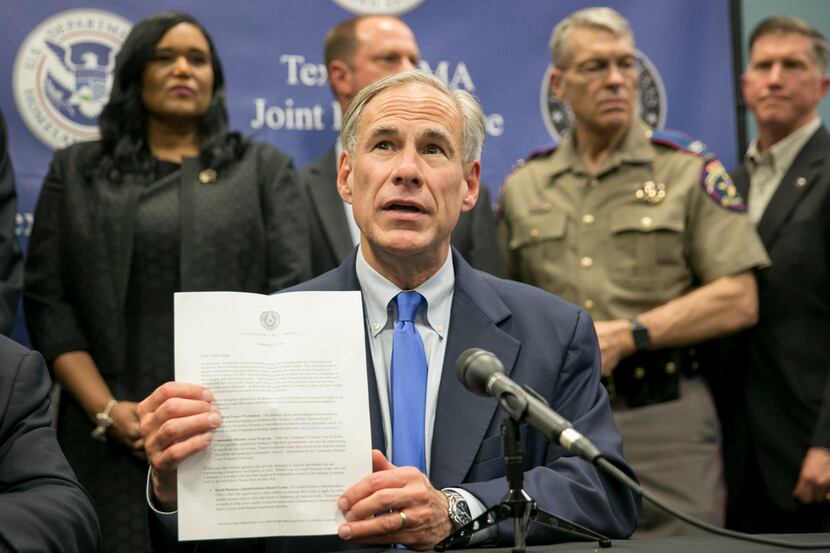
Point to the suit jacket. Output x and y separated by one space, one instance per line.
331 240
543 342
786 389
42 506
11 263
245 231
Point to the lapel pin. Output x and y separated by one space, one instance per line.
207 176
800 182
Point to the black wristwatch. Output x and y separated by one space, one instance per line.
458 509
642 340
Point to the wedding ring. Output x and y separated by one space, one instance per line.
404 520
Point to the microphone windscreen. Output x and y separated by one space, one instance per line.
475 367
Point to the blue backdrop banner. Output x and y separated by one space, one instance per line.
56 58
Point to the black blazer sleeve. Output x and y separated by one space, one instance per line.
54 325
42 506
11 263
286 223
821 432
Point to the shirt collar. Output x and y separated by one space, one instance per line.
782 154
378 293
635 147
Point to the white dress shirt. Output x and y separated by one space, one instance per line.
431 322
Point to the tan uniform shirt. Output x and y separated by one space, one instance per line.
642 231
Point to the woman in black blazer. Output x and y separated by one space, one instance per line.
167 200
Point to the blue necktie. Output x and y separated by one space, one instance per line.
409 385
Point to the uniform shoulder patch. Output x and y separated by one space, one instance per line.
680 141
714 178
719 186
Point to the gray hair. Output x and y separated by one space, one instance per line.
604 19
466 103
785 25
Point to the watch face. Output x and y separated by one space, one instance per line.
642 340
459 511
464 514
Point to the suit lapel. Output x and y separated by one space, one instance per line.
741 179
346 279
188 227
461 417
801 176
323 190
118 211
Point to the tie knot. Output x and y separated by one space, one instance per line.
408 304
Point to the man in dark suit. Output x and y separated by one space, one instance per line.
42 506
778 447
358 52
11 262
410 166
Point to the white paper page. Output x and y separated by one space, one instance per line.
289 376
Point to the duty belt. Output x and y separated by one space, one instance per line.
650 377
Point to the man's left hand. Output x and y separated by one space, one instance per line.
813 484
615 342
373 507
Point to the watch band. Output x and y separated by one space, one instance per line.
104 421
642 339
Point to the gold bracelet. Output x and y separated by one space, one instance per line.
104 422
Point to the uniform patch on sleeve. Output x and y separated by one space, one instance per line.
719 186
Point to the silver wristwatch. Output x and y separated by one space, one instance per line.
458 509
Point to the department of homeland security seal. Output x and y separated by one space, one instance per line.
269 320
63 73
374 7
652 103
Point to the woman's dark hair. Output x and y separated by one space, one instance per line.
123 121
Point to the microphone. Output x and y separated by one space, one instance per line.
482 373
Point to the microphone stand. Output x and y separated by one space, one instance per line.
482 373
517 504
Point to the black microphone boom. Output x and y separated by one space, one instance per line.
482 373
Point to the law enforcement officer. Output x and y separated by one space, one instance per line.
650 238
